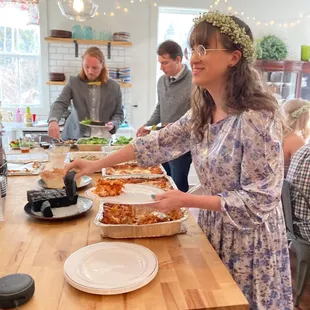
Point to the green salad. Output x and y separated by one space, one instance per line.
16 144
93 140
86 121
122 141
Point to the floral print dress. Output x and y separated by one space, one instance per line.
239 159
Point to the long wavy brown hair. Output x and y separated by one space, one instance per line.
242 90
94 51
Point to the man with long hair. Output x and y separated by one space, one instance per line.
93 95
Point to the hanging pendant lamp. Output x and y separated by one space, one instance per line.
79 10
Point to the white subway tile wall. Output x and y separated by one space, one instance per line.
61 58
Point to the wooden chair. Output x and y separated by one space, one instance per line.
301 246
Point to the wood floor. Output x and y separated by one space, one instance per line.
304 303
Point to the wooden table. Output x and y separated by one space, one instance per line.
191 275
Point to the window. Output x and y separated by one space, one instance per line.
175 24
19 54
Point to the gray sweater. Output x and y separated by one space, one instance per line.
173 98
111 108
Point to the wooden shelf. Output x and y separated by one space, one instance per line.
123 85
89 42
55 83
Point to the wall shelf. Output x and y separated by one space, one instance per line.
89 42
122 85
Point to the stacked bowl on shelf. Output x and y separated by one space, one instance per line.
121 36
57 77
60 33
124 74
113 73
120 74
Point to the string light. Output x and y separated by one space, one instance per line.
231 10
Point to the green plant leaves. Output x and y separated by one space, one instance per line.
272 48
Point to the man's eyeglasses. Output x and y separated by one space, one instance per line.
201 51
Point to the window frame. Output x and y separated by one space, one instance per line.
154 19
43 108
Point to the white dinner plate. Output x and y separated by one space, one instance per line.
85 180
108 268
96 126
24 169
27 158
135 194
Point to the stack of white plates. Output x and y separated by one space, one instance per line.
124 74
113 73
109 268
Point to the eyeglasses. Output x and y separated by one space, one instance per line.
201 51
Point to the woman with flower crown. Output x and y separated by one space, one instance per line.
234 132
297 131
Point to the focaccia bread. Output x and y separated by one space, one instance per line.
55 178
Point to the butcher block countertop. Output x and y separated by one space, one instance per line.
190 276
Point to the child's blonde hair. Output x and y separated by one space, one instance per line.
297 114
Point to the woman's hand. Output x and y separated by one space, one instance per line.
85 167
171 200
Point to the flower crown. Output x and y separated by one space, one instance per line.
305 108
228 26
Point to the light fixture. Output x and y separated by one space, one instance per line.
80 10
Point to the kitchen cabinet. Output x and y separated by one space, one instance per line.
286 79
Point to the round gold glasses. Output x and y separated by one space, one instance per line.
201 51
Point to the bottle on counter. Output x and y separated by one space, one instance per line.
28 118
19 116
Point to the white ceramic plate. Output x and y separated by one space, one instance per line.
108 268
82 206
150 127
27 158
24 169
135 194
85 180
96 126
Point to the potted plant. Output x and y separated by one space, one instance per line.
271 47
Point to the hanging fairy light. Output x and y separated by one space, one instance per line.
78 6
